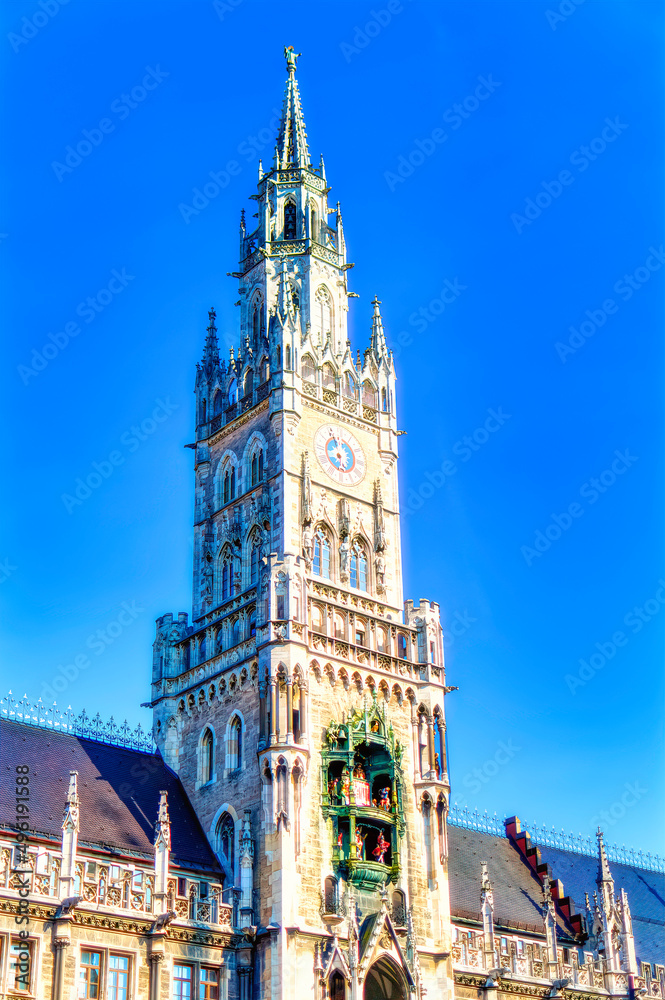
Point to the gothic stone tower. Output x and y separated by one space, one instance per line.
303 706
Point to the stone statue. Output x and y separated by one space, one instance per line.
344 554
307 542
291 58
380 567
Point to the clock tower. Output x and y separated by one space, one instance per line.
303 704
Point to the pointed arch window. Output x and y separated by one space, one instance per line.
217 402
235 743
237 630
254 565
256 468
207 757
384 401
308 369
358 567
349 385
290 221
229 484
249 382
321 556
226 847
337 988
226 587
328 377
313 230
369 395
324 309
287 358
233 392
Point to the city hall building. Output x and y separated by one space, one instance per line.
286 830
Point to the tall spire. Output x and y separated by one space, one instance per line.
378 337
211 349
291 148
604 877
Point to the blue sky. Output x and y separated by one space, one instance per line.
531 208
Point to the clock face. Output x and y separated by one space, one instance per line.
339 454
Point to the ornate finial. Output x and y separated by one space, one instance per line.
291 58
70 819
163 824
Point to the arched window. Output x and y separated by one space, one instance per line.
290 221
233 392
381 640
340 627
324 309
313 231
349 384
217 402
328 377
249 382
287 358
256 320
401 646
358 567
330 895
369 395
226 836
321 557
207 757
226 585
265 370
308 369
337 987
203 411
237 629
384 401
399 908
235 744
228 484
317 618
256 468
254 565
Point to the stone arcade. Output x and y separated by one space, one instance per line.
291 836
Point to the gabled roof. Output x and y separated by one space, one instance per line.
518 892
118 788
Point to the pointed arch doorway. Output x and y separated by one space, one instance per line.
385 981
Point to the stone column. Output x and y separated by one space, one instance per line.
263 736
273 710
289 710
416 744
156 959
60 944
430 746
303 713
